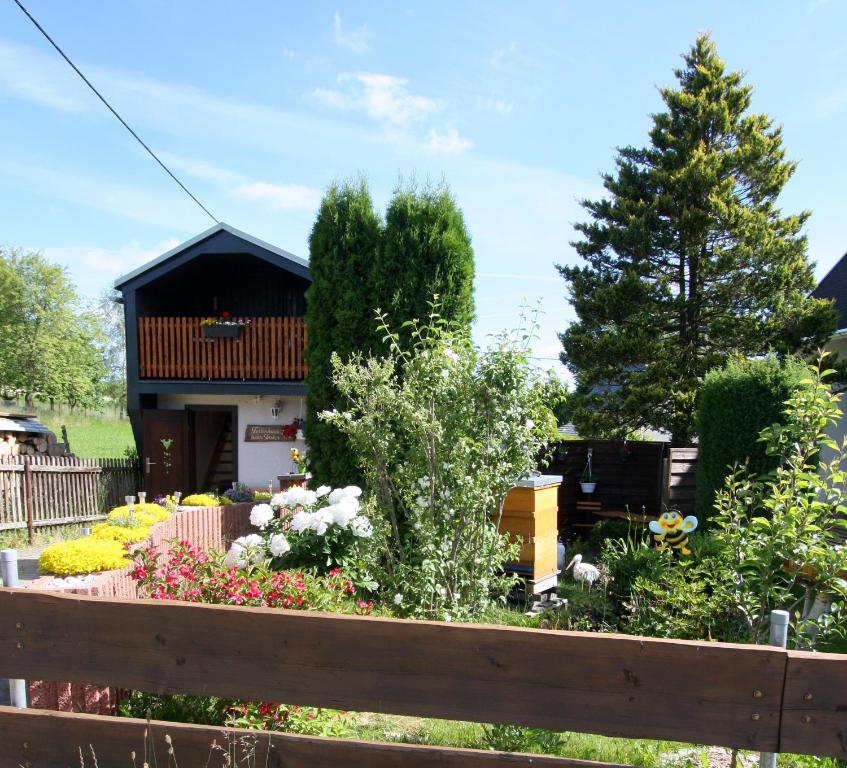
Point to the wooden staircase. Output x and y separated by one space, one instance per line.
220 475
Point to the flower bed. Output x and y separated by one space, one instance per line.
206 527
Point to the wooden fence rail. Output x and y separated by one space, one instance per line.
176 348
52 490
749 697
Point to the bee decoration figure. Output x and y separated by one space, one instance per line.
671 530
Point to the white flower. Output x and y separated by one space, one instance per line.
361 527
301 521
398 599
301 497
451 354
322 491
321 520
422 502
245 549
351 491
279 545
448 617
336 496
344 511
261 515
279 500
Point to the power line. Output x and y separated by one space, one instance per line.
111 109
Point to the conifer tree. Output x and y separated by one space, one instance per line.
339 316
426 251
689 259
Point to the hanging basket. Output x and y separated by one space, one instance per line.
588 487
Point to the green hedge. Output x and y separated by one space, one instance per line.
736 402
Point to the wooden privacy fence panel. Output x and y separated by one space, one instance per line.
628 476
681 483
267 348
609 684
51 738
52 490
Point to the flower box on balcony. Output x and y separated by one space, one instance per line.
223 330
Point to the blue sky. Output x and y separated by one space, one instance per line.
258 106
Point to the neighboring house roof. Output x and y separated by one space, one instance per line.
834 286
222 238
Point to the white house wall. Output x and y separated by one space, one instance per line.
258 463
838 345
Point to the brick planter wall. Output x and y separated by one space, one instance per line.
207 528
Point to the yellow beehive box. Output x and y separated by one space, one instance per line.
531 511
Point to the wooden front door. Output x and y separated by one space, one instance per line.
165 459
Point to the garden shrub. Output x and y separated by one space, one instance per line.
240 493
784 530
123 534
87 555
735 403
185 573
442 432
661 594
200 500
147 513
319 530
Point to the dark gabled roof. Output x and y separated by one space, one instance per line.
834 286
222 238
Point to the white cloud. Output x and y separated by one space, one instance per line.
355 40
49 83
286 197
384 98
111 261
200 169
511 54
447 142
501 55
500 106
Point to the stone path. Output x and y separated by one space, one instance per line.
27 572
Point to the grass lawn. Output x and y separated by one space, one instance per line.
92 436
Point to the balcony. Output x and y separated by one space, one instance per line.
267 349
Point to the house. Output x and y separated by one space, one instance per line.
215 337
834 286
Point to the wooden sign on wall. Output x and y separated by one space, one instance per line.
264 433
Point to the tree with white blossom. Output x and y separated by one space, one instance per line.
442 432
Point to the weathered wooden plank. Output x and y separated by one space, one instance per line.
48 739
814 719
614 685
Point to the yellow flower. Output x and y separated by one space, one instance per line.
120 533
88 555
200 500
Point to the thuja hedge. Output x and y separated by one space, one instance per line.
736 402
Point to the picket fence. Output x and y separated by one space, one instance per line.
37 491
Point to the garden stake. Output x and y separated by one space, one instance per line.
778 638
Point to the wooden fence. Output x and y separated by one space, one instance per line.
637 476
43 490
748 697
176 348
681 479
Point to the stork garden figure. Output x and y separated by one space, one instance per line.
584 573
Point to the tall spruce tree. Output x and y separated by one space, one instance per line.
343 247
689 259
426 250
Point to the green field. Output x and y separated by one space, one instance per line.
92 436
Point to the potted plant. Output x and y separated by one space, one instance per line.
223 327
588 480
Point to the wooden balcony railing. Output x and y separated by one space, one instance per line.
176 348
